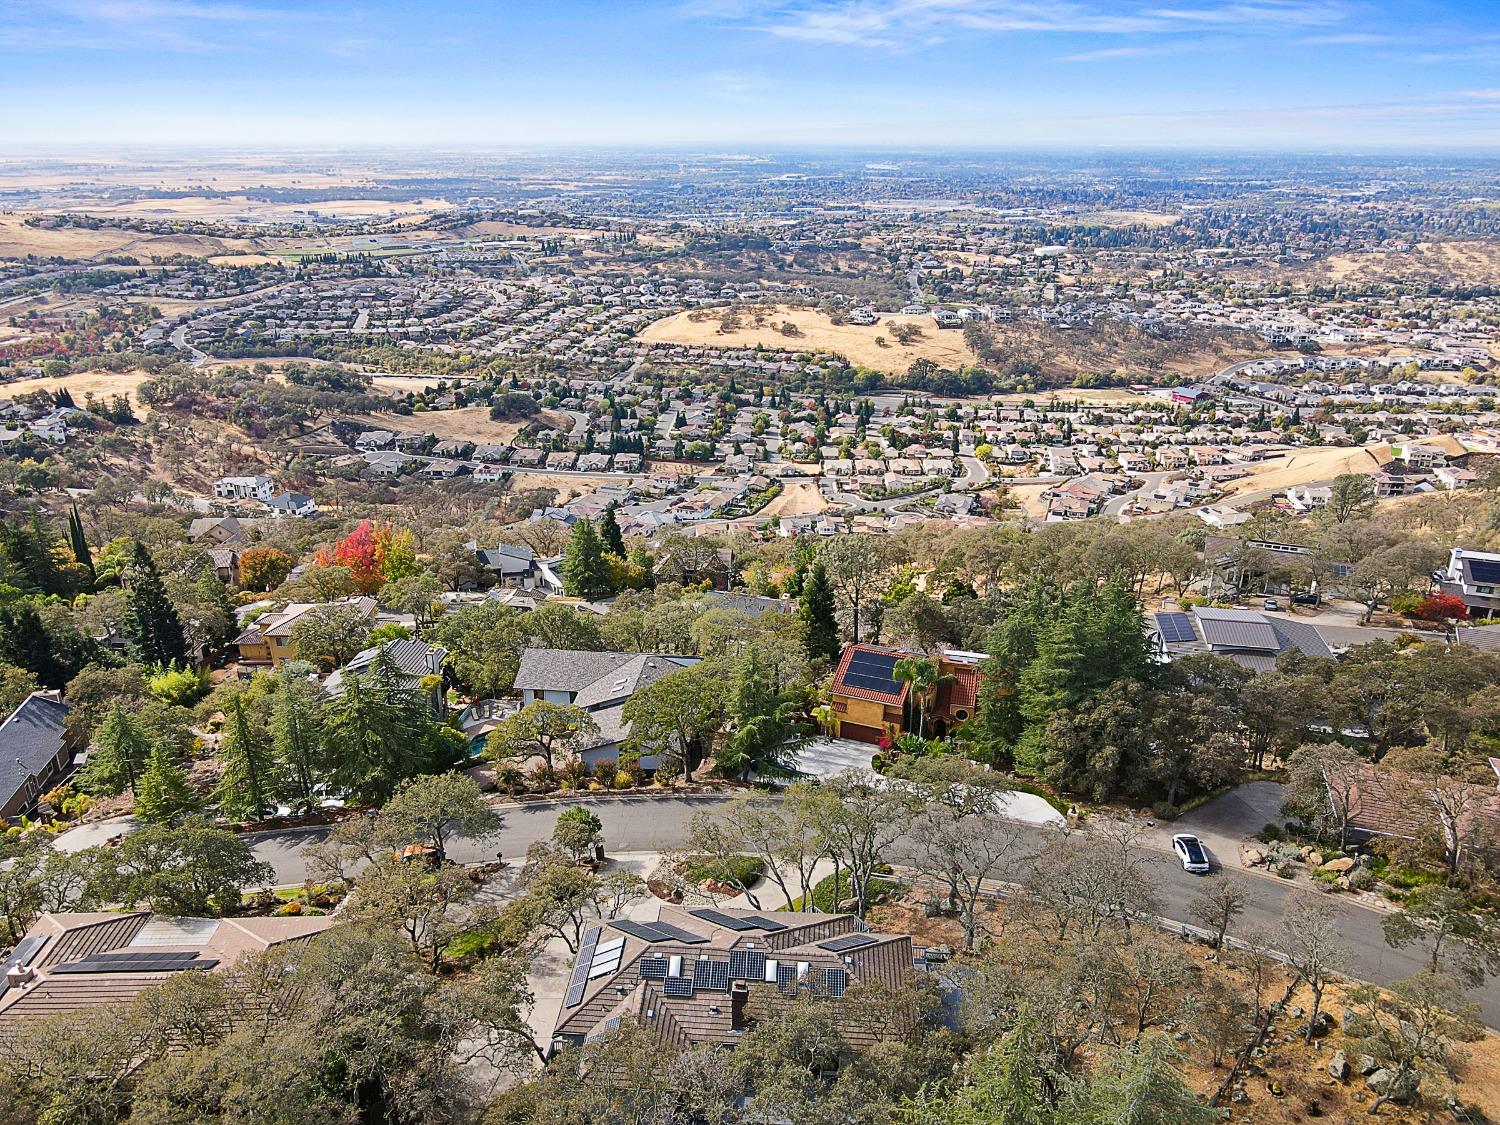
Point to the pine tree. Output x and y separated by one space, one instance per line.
163 793
219 620
819 616
297 733
80 544
244 787
119 753
150 619
24 642
609 533
585 574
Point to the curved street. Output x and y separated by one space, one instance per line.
655 824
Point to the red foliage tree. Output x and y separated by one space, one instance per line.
363 552
1442 607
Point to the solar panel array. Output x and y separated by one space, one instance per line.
711 975
579 980
727 921
747 964
873 671
834 982
764 923
133 962
1486 571
677 986
653 968
677 933
848 941
657 931
606 958
1175 627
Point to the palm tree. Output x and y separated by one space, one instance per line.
923 675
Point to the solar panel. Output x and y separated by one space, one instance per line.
873 671
711 974
834 982
848 941
638 929
136 965
1175 627
747 964
579 980
677 986
653 968
725 920
678 933
1486 571
786 979
764 923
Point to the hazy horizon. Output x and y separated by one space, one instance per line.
983 75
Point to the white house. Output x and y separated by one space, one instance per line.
244 488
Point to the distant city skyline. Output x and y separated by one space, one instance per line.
1249 74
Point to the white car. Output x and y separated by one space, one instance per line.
1189 849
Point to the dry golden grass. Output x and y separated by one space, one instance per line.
472 423
1473 263
101 384
1306 466
17 240
815 332
1123 218
797 498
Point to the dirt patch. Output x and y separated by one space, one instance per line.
797 498
813 331
1305 466
470 423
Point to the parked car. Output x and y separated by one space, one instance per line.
1189 849
1307 599
1270 603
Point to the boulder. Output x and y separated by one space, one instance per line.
1322 1025
1338 1066
1366 1065
1254 857
1315 859
1339 866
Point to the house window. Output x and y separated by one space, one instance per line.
960 713
1485 589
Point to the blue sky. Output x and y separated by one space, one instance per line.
1258 74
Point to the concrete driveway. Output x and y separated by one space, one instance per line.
1228 820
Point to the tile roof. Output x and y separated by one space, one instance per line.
698 1008
30 738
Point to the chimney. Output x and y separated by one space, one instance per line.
19 975
739 995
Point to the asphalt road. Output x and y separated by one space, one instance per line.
660 823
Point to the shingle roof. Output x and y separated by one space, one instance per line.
561 669
30 738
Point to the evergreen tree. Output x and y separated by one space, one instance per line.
297 733
219 622
24 642
609 533
163 793
150 619
244 787
80 544
119 754
819 616
585 574
377 733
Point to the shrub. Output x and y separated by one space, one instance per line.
623 780
574 773
737 870
1361 879
827 895
180 686
541 776
509 778
1269 834
605 772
